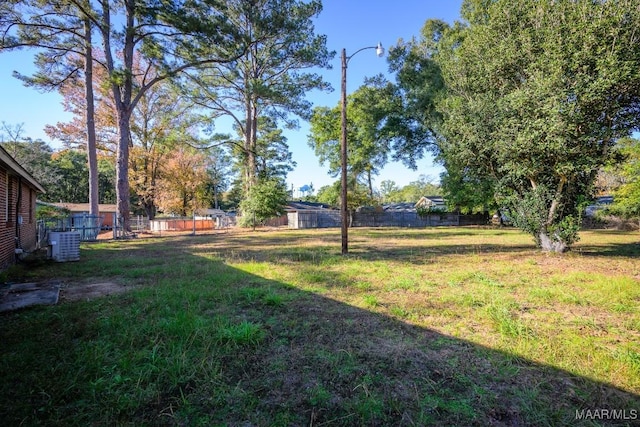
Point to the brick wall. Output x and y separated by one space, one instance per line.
12 191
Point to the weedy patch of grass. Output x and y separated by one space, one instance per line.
506 321
240 334
264 295
400 312
443 326
319 396
370 300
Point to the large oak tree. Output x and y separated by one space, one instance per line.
537 94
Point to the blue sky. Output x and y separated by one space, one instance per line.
349 24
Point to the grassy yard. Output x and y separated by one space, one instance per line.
444 326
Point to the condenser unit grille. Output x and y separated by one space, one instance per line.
64 246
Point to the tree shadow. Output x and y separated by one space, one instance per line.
625 250
305 359
302 246
372 244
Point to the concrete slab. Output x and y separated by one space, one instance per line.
19 295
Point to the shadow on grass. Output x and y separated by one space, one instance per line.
372 244
202 343
317 254
627 250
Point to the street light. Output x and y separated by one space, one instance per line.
343 142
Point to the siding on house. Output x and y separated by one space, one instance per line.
18 192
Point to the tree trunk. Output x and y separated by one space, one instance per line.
254 143
150 211
122 93
249 158
94 195
251 144
550 245
122 169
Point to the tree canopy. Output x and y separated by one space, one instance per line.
537 94
268 85
266 199
368 136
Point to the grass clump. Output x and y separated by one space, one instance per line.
241 334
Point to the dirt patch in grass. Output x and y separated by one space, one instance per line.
90 291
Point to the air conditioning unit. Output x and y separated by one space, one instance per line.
64 246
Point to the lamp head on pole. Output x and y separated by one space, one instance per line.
379 50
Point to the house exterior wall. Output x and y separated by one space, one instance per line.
17 229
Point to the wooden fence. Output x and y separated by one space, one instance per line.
331 218
412 219
180 224
314 219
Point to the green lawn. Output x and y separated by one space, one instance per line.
442 326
